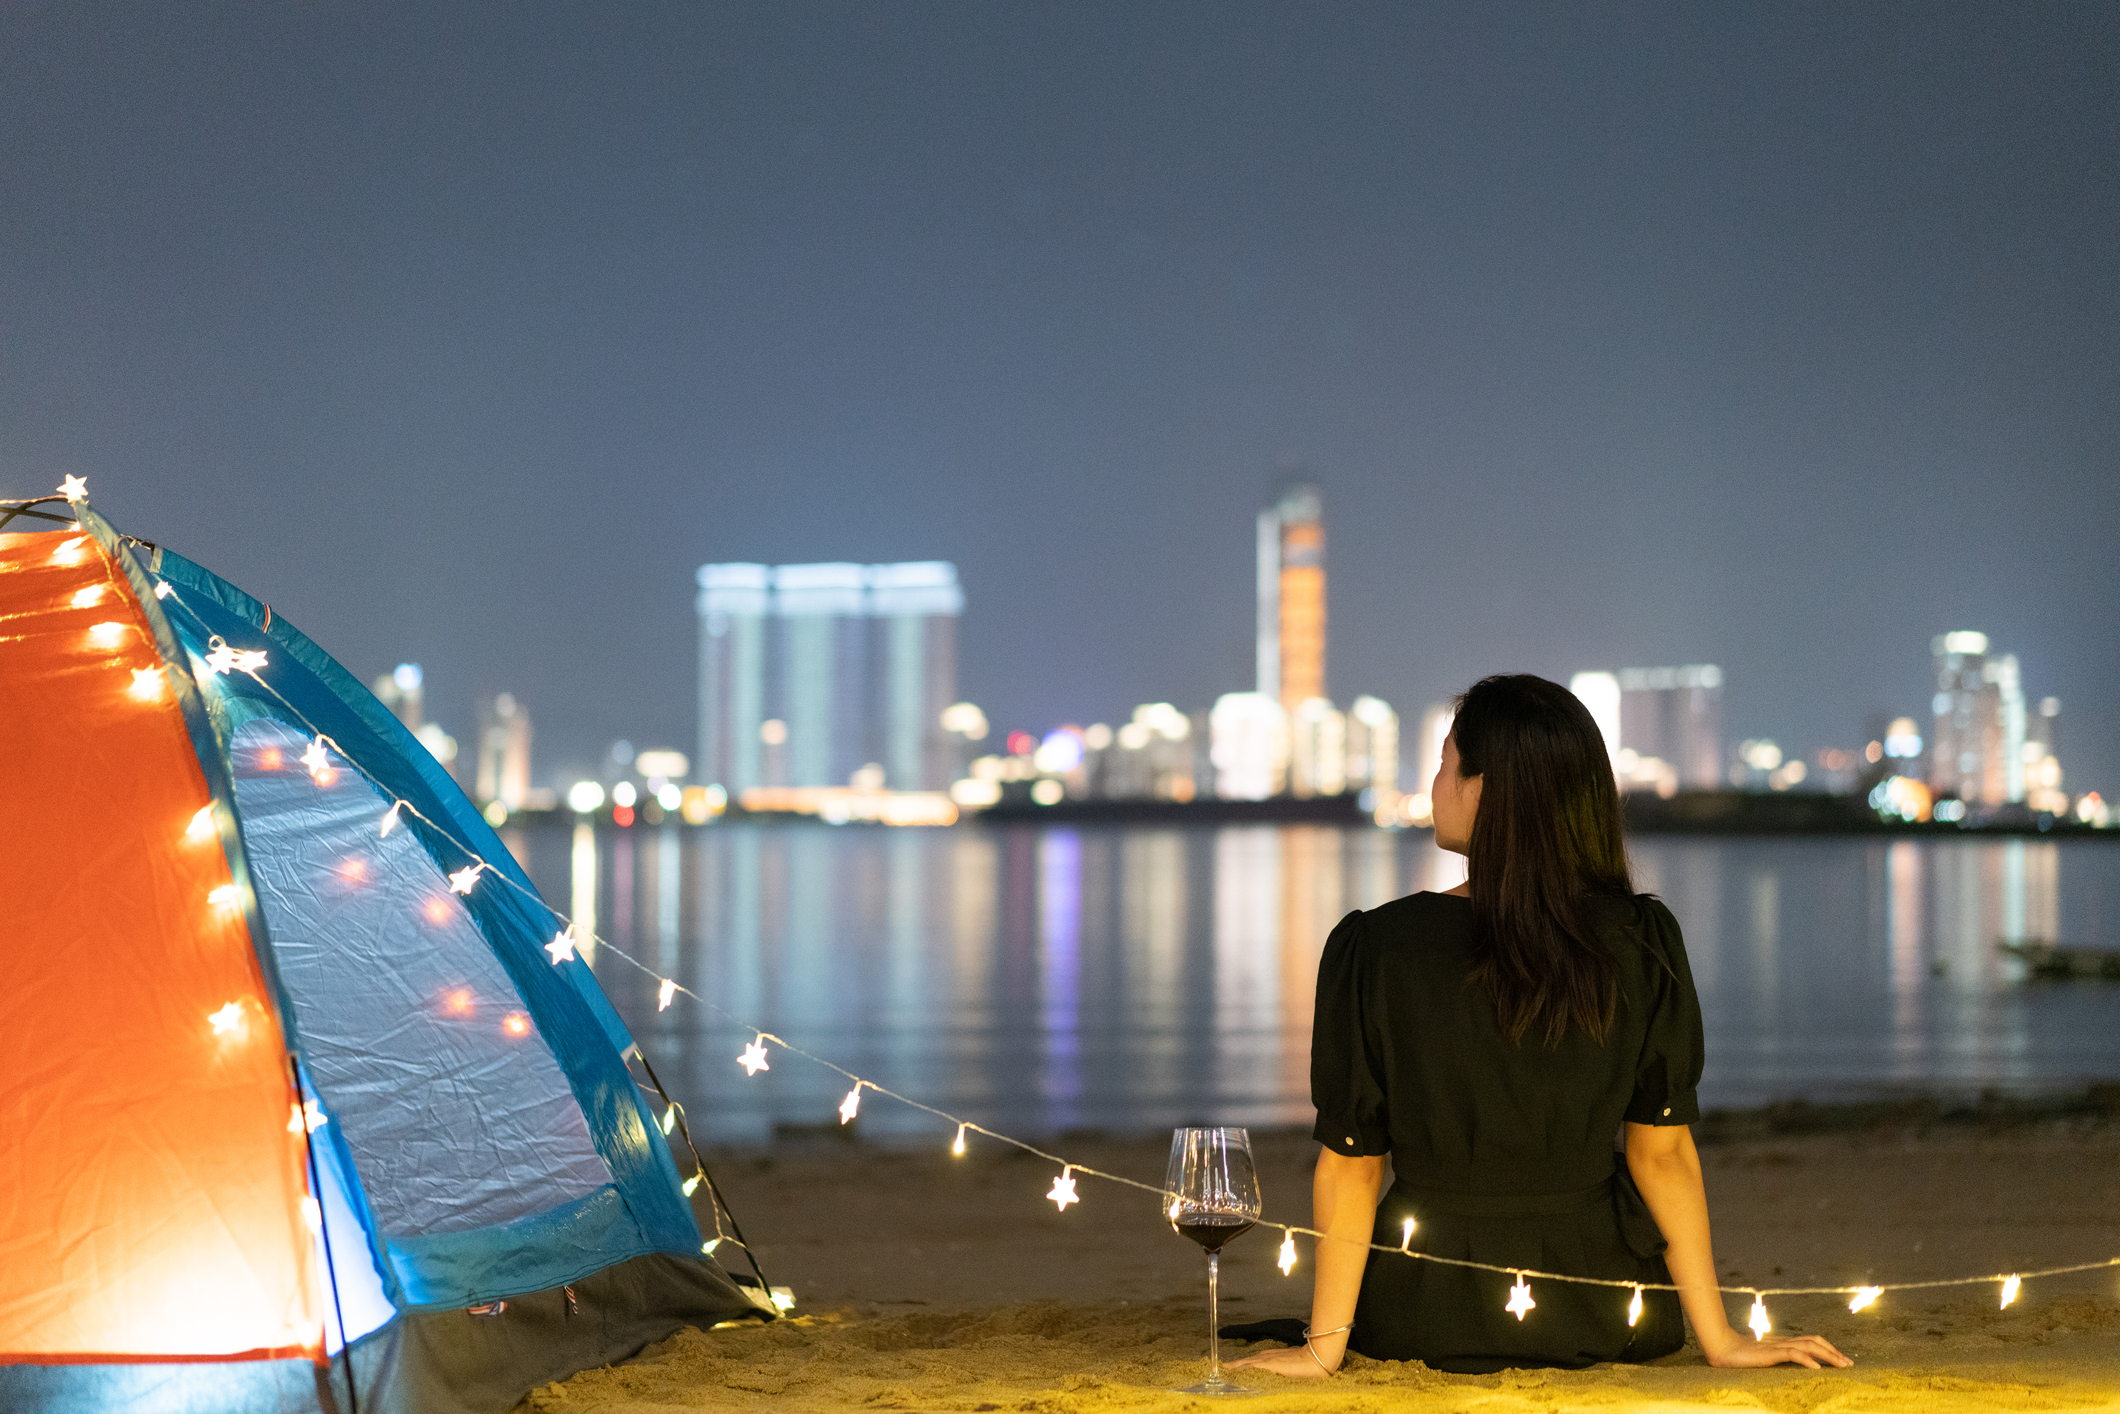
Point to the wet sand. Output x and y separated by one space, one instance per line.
930 1283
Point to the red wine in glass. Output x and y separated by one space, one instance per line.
1211 1195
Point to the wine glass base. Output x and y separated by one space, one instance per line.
1221 1388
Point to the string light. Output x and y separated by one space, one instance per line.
669 1119
561 947
74 488
228 1021
666 994
317 763
1634 1307
222 659
312 1215
84 598
516 1023
106 635
307 1118
200 829
225 896
69 551
707 1248
1406 1235
1286 1261
851 1105
164 590
146 684
1759 1323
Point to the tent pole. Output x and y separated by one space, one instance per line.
331 1266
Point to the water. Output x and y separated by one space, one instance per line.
1044 979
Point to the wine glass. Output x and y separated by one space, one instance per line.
1212 1197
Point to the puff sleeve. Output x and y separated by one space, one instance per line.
1667 1075
1346 1078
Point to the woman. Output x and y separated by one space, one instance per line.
1492 1041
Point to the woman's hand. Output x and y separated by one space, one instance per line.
1296 1364
1730 1350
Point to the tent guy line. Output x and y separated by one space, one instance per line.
226 659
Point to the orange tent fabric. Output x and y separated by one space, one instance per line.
152 1185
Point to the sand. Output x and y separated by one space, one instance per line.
927 1283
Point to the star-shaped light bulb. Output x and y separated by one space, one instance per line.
228 1021
221 658
851 1105
461 881
1406 1234
665 994
2009 1290
83 598
390 819
308 1118
249 660
1758 1322
1063 1191
691 1185
753 1058
957 1144
146 684
707 1248
163 590
314 759
1520 1302
1634 1307
561 947
74 488
1286 1261
200 830
312 1215
69 551
1865 1296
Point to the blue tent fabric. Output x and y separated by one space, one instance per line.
480 1138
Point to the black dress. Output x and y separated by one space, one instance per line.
1504 1153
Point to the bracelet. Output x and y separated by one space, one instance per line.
1320 1359
1310 1335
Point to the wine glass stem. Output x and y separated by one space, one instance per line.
1214 1319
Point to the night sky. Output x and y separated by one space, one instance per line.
1778 336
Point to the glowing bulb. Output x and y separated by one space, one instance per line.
561 947
2009 1290
783 1299
249 660
459 1001
1759 1323
200 829
665 994
221 659
1063 1190
691 1185
307 1118
669 1119
226 896
1864 1296
106 635
1286 1261
69 552
1520 1302
163 590
91 595
312 1214
707 1248
957 1145
146 684
851 1105
753 1058
74 488
390 819
1173 1213
461 881
314 759
228 1021
1634 1307
516 1024
1406 1234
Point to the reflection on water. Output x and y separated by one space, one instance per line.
1039 980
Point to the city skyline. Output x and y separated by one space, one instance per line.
1630 337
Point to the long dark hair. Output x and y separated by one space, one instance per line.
1546 844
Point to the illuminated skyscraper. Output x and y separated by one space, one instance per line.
823 630
1977 749
733 604
1673 716
914 607
1291 594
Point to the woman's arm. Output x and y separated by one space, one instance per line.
1666 1168
1343 1205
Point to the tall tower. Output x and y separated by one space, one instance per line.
823 619
1977 748
733 603
915 606
1291 587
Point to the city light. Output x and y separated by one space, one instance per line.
584 796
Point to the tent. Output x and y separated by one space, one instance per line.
298 1087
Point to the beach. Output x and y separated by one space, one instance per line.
927 1282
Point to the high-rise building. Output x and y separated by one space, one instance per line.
401 690
503 769
1976 751
1249 750
1291 596
812 674
734 603
1373 748
1671 719
1317 749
